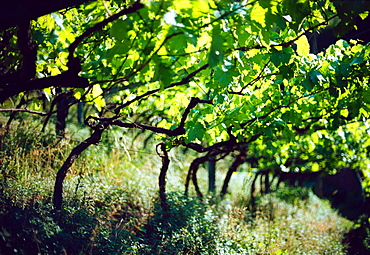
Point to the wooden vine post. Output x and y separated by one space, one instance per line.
212 175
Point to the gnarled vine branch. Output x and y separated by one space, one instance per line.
162 175
75 153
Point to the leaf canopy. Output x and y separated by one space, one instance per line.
248 61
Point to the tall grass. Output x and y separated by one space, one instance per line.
305 227
111 206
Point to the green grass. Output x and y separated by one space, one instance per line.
111 206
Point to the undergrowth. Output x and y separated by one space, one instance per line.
111 207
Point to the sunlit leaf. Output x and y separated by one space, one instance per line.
99 103
258 14
200 7
303 47
96 91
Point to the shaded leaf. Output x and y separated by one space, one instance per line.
316 76
308 84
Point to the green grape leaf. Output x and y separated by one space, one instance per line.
258 14
308 84
280 57
164 74
216 52
119 30
316 76
196 132
303 47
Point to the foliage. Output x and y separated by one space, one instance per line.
254 83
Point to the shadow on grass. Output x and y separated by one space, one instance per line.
37 229
358 239
189 227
